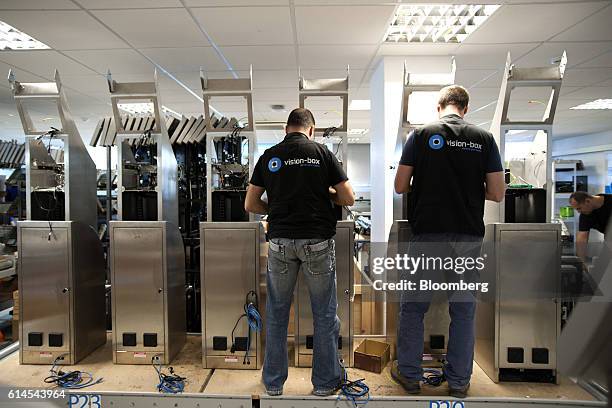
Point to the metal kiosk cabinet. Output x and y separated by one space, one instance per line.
61 264
147 255
518 320
233 256
344 280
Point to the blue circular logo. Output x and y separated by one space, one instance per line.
275 164
436 142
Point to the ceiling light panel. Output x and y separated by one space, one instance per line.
11 39
598 104
437 23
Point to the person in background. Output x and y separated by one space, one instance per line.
594 212
302 179
450 167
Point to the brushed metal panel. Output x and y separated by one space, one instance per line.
228 264
530 321
138 285
44 274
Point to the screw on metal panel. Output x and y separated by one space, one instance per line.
132 404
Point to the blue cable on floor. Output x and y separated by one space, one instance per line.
356 391
73 380
169 383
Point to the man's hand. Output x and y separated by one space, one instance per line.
253 202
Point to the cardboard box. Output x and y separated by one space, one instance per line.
372 356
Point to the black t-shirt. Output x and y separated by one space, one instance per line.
451 159
297 174
599 218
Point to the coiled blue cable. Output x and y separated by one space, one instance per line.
356 391
72 379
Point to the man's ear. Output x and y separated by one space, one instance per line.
312 132
465 111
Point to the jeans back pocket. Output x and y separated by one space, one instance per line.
321 257
276 258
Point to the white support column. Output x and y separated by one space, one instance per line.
386 86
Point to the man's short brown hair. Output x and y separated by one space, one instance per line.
302 118
580 196
455 95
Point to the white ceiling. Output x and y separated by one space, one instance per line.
132 37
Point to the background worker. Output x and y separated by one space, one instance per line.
450 167
297 174
594 212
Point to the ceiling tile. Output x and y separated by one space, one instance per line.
603 60
44 63
471 77
64 30
336 56
37 4
230 3
590 93
125 61
577 52
246 25
112 4
586 77
185 59
87 83
538 22
261 57
488 56
417 49
594 28
337 25
154 27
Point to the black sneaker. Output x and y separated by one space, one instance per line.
411 386
459 392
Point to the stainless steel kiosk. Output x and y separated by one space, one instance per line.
233 257
146 249
61 263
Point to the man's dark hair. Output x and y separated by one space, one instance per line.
301 117
455 95
580 196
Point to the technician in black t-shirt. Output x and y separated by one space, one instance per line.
594 214
450 167
302 179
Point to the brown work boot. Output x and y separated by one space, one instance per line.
411 386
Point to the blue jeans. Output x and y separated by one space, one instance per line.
462 308
316 259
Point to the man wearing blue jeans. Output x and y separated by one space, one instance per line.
449 167
302 179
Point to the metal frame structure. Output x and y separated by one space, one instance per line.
61 263
332 88
220 88
147 257
437 318
514 78
193 400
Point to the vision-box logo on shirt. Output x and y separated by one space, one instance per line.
437 142
275 163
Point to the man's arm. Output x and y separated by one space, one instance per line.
402 178
253 202
342 194
495 186
582 239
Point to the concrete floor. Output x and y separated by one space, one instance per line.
248 382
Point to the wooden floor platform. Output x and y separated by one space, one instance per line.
127 378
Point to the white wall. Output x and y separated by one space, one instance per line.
358 168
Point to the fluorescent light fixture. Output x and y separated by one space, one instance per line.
437 23
597 104
359 105
11 39
146 108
